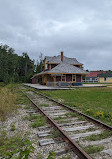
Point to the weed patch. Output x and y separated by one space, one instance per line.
39 121
100 136
14 145
13 128
26 107
60 118
51 155
55 133
93 149
71 114
43 105
22 99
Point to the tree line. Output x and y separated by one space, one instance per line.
15 68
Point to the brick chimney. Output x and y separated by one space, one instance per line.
62 56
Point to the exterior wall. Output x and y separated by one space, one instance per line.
45 64
47 78
102 79
34 80
68 78
44 79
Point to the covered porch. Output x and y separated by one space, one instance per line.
62 79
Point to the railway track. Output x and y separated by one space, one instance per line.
93 136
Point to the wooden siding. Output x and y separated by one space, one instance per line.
49 66
34 80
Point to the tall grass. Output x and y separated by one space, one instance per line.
7 103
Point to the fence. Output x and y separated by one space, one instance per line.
90 81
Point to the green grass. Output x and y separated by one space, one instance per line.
43 105
71 114
31 117
55 133
93 149
26 107
22 99
96 102
60 118
13 145
13 127
39 121
102 135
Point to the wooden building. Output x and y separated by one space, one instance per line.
61 71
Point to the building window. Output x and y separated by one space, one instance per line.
73 78
104 78
63 78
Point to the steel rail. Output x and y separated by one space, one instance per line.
73 145
73 110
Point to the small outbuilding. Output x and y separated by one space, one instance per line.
92 77
105 77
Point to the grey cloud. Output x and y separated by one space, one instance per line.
81 28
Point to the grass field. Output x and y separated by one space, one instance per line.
96 102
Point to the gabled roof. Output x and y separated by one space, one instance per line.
94 73
64 68
107 74
57 59
48 58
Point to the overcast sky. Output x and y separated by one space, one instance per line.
80 28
